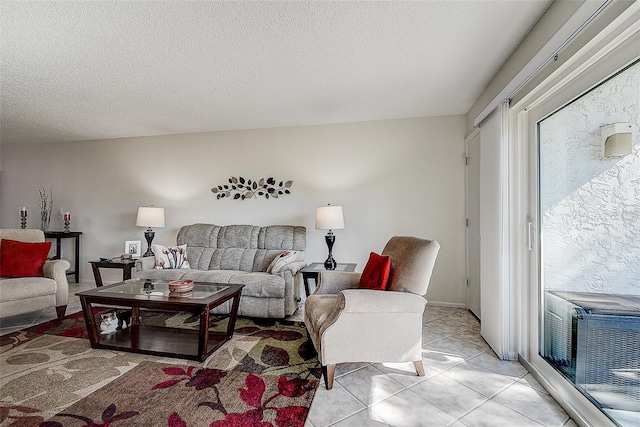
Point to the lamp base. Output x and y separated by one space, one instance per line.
330 263
149 235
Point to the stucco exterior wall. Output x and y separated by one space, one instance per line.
590 206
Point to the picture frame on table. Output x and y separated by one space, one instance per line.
133 248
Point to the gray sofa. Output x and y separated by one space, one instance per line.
240 254
20 295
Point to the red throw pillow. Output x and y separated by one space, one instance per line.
22 259
376 272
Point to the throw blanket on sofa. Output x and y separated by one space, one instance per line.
240 254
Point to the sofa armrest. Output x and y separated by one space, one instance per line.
57 270
146 263
332 282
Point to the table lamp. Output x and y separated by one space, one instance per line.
329 218
149 216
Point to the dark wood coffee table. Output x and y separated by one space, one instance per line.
156 340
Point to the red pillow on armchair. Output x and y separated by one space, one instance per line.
22 259
376 273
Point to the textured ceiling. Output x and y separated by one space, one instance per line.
75 70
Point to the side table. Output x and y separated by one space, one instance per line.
59 235
124 264
312 271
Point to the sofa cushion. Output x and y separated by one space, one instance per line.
238 236
22 259
162 275
258 284
213 276
240 259
282 237
24 235
23 288
171 257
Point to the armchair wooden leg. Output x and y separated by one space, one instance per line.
419 367
328 371
60 310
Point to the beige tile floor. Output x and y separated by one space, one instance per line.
465 383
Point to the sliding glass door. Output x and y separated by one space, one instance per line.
574 203
589 231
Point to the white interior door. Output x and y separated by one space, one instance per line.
473 223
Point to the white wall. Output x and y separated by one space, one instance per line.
396 177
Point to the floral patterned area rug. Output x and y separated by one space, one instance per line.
156 394
266 375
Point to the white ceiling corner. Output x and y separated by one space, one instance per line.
77 70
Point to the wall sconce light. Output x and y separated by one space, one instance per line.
616 139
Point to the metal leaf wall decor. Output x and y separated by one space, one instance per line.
240 188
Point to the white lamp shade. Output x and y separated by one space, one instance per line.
150 217
329 218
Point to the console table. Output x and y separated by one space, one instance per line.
312 271
59 235
124 264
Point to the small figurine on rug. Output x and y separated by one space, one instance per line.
112 321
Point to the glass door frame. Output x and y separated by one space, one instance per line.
597 61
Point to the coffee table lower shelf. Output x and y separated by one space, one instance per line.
160 341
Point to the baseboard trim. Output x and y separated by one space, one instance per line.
447 304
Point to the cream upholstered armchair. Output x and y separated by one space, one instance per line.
347 324
20 295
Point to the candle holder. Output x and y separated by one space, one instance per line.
23 218
67 220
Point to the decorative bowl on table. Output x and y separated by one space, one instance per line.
180 286
187 294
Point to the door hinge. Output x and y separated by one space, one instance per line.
466 161
467 282
467 222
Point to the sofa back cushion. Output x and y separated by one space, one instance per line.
238 247
24 235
